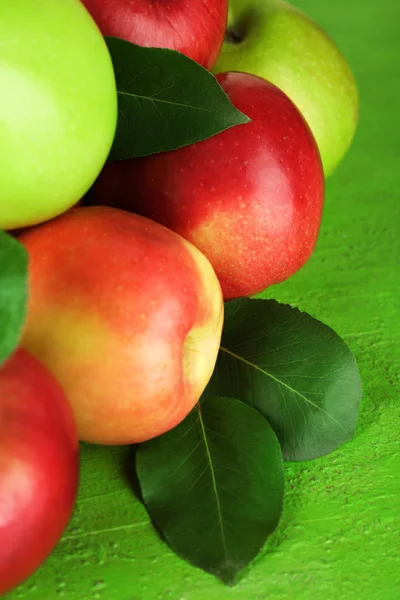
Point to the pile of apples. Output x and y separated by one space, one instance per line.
126 295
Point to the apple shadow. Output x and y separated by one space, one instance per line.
129 472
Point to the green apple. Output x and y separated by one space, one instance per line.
275 40
58 108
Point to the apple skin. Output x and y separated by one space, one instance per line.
38 466
250 198
128 317
18 232
281 44
195 28
59 113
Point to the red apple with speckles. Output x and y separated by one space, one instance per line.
128 317
250 198
194 27
38 466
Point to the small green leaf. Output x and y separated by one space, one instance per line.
13 293
292 368
165 100
214 485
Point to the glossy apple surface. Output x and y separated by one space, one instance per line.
38 467
127 315
58 108
273 39
195 28
250 198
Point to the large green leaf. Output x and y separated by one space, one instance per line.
292 368
214 485
165 100
13 293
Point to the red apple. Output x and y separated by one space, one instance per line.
250 198
194 27
127 315
38 467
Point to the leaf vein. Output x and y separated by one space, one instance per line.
282 383
214 483
151 99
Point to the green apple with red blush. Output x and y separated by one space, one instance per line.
250 198
127 315
275 40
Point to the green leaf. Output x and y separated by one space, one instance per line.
13 293
214 485
165 100
292 368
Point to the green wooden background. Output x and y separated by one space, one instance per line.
340 532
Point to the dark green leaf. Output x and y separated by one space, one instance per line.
214 485
165 101
13 293
295 370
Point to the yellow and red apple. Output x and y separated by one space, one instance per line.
128 317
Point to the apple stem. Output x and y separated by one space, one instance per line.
234 35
